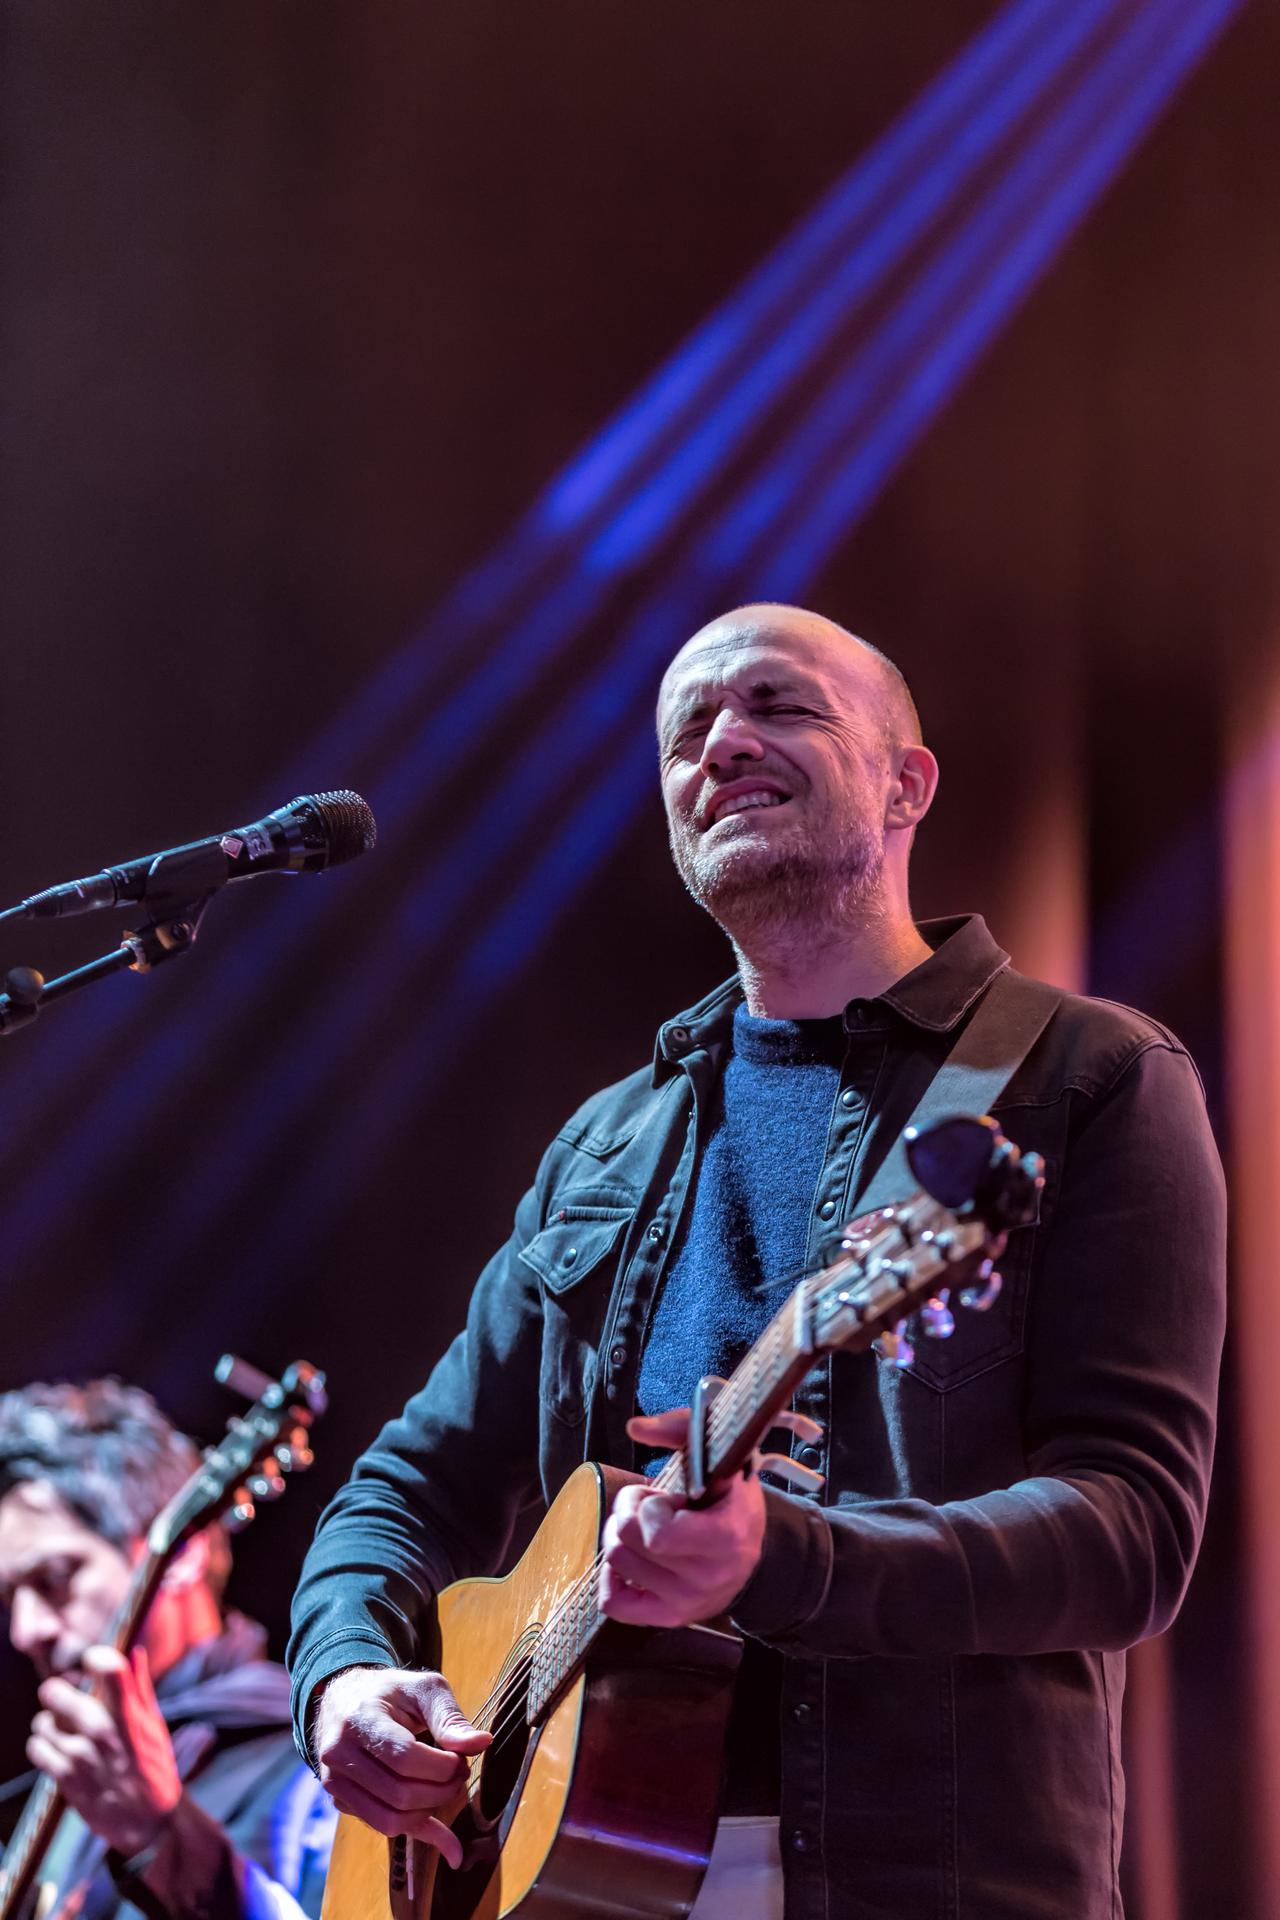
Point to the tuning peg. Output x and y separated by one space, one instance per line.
241 1377
293 1454
267 1485
238 1516
978 1299
800 1424
802 1478
895 1346
309 1381
936 1316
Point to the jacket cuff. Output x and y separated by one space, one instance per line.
330 1657
790 1584
192 1872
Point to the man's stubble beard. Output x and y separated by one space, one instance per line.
754 892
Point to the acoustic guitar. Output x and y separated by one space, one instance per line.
249 1464
598 1794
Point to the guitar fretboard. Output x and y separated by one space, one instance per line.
741 1415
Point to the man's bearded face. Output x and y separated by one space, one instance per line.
775 771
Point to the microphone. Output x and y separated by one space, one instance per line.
315 831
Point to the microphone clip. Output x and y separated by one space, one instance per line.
164 937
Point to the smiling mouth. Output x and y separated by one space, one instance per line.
756 802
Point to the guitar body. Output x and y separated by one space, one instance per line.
608 1806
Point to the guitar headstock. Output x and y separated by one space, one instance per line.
251 1462
937 1247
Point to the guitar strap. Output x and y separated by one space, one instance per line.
991 1046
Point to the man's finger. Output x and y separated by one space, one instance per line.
349 1797
633 1501
74 1747
406 1793
668 1429
140 1668
634 1607
74 1711
377 1735
48 1758
637 1570
110 1672
107 1663
685 1535
447 1724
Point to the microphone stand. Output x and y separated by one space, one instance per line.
171 931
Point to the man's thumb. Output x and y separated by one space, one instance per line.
447 1724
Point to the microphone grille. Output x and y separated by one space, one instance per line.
339 825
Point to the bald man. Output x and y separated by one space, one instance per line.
926 1719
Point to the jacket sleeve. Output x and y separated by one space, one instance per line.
1093 1548
195 1868
435 1498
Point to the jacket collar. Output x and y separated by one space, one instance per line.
935 995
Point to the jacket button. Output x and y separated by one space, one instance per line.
801 1710
810 1456
800 1841
617 1355
826 1210
848 1098
569 1256
657 1233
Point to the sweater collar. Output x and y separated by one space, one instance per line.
934 996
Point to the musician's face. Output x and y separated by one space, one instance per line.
60 1583
775 770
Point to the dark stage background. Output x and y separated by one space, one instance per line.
305 307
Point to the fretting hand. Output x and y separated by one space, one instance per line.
667 1564
109 1751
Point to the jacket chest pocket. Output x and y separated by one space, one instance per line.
573 1258
984 1340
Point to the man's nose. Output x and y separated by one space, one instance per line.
33 1625
731 736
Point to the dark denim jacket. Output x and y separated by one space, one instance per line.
999 1521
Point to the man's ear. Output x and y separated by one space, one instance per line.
911 795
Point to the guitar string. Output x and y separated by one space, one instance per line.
504 1702
722 1417
571 1597
507 1701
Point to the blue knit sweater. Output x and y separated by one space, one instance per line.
744 1242
747 1230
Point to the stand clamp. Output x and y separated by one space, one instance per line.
172 931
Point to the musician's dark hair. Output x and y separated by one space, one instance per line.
106 1450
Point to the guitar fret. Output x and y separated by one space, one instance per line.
733 1420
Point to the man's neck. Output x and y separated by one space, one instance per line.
809 973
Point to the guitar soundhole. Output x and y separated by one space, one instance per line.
503 1762
491 1806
